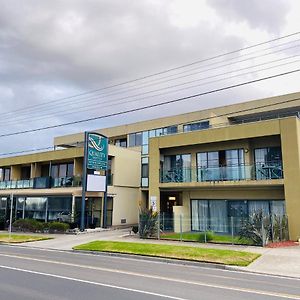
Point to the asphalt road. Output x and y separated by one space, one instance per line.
27 273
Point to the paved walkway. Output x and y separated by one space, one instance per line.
278 261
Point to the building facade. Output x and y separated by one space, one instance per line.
214 164
48 187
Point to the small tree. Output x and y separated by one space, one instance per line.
147 223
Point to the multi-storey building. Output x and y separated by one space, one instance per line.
212 164
47 186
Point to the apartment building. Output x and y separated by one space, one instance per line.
223 162
47 186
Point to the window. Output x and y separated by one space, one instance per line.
135 139
62 170
268 163
226 216
121 142
145 172
196 126
221 165
25 172
5 176
176 168
170 129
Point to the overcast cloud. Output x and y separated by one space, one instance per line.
54 49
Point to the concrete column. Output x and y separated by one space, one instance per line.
290 144
15 172
154 172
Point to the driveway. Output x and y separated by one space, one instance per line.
68 241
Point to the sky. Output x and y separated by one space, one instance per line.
67 60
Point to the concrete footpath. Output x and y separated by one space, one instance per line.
276 261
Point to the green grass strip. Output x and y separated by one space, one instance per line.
194 237
21 238
226 257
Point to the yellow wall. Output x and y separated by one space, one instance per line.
223 113
290 140
125 204
284 132
126 168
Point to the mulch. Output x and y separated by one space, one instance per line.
282 244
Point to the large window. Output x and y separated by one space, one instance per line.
62 170
142 138
176 168
196 126
5 174
268 163
35 208
135 139
44 208
226 216
221 165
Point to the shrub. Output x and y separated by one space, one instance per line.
58 227
147 223
30 225
205 236
257 229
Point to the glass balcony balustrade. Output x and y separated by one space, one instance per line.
41 183
224 173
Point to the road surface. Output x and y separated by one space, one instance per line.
31 274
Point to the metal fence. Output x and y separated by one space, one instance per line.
256 229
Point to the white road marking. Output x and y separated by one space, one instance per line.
252 273
93 283
137 274
197 283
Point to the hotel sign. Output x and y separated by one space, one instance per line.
97 152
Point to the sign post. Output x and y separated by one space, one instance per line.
95 159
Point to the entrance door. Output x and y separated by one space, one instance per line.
93 212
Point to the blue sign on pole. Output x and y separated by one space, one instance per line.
97 152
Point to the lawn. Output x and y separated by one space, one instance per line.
194 237
20 238
226 257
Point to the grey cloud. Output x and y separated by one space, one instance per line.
52 49
269 15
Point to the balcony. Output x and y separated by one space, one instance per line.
70 181
228 173
41 183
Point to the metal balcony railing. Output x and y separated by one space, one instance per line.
224 173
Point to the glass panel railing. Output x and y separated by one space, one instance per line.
224 173
69 181
41 183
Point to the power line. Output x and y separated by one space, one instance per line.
156 95
147 106
201 119
117 100
159 73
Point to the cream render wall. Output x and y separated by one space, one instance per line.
125 204
126 167
290 140
284 132
218 115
